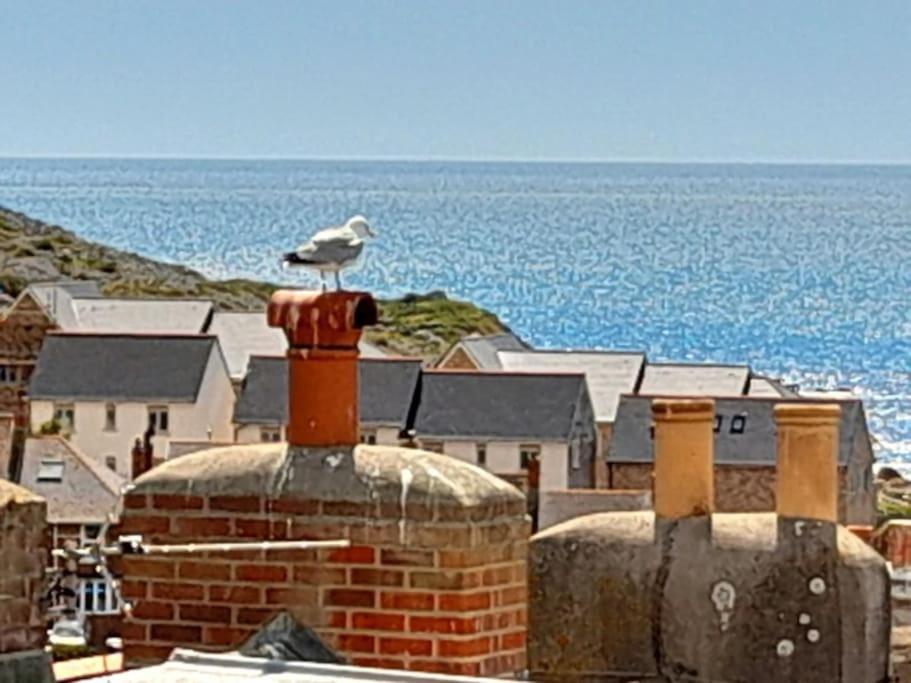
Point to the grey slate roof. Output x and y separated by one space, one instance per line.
387 388
757 445
110 367
769 387
694 379
498 405
608 373
483 349
87 492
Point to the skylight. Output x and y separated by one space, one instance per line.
50 470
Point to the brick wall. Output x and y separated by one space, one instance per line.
431 595
893 541
7 426
737 489
459 360
23 549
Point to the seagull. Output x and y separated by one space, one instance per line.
332 249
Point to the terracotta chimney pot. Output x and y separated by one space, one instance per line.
684 457
808 460
323 331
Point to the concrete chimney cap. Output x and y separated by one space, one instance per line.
807 413
682 410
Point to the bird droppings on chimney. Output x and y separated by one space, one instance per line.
407 478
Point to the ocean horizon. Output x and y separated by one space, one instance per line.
799 270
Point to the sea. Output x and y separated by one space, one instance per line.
801 271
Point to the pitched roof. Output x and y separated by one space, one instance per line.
694 379
768 387
164 316
111 367
87 491
608 373
243 335
757 445
483 349
498 405
386 391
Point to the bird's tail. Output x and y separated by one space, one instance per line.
292 258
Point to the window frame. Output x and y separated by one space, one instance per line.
60 411
527 453
270 431
110 417
738 424
109 604
480 454
155 412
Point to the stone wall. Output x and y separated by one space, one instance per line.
737 489
428 584
559 506
7 428
23 547
22 332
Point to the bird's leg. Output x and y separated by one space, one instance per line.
338 281
322 279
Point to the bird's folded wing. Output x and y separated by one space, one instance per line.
330 251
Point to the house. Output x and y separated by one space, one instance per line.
746 455
103 391
608 374
78 305
387 390
509 422
480 352
246 334
82 497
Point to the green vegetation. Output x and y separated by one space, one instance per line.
32 251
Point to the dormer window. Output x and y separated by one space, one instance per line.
738 424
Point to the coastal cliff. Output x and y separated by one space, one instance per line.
32 251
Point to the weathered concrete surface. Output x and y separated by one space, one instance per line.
560 506
743 597
364 475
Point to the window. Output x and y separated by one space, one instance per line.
88 533
110 418
65 416
432 446
111 462
719 420
50 470
97 597
527 455
738 424
481 450
270 434
368 436
9 374
158 419
651 432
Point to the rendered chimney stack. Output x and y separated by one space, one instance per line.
684 457
323 330
808 460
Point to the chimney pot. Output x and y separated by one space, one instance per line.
808 460
684 457
323 331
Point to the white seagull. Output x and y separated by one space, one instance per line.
332 249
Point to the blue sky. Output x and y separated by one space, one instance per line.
607 80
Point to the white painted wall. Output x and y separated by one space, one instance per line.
385 436
186 421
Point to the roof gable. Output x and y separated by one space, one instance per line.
482 349
87 491
97 367
498 405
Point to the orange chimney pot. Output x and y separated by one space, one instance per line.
323 331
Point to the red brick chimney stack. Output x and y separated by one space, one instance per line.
323 330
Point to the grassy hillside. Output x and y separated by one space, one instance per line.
31 251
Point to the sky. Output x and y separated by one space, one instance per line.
726 80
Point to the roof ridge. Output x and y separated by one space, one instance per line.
132 335
591 352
